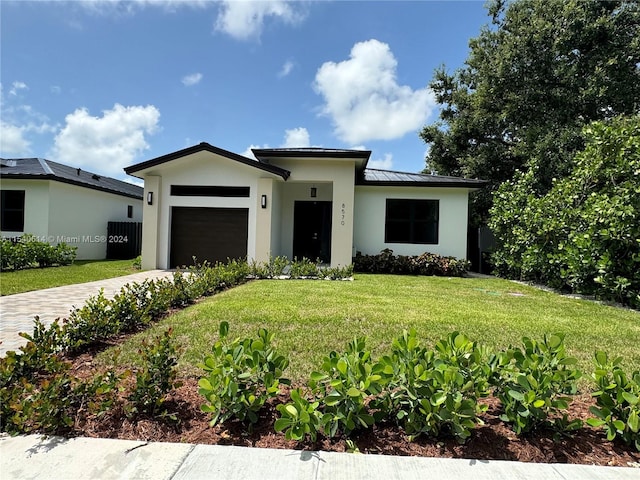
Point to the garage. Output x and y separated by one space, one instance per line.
212 234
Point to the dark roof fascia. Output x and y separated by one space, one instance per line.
471 185
443 182
70 182
208 148
264 153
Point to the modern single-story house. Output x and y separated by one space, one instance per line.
58 203
212 204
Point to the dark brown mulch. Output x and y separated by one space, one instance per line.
491 441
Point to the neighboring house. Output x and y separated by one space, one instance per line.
208 203
58 203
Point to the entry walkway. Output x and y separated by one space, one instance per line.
17 311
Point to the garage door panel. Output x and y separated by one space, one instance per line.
213 234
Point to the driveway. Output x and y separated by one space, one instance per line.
17 311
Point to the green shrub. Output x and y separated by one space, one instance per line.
584 234
28 252
343 386
129 308
425 264
300 418
157 376
618 401
304 268
534 385
336 273
431 392
241 376
91 323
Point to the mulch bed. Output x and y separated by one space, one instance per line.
491 441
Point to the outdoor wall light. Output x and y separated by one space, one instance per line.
314 192
263 201
150 198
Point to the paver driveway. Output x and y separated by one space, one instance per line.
17 311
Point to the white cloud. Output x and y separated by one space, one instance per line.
286 69
245 20
249 154
20 122
296 137
55 89
385 163
193 79
105 144
16 87
293 138
364 100
128 7
12 140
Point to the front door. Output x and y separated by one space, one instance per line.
312 231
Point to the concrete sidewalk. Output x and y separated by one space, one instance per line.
54 458
17 311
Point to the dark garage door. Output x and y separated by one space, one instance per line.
213 234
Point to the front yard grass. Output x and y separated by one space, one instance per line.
80 271
311 318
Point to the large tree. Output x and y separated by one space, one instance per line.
534 77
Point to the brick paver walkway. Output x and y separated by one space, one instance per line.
17 311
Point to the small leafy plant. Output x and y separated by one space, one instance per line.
300 418
241 376
534 384
618 401
342 387
435 391
157 376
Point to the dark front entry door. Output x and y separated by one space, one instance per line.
312 231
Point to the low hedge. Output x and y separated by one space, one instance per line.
28 252
425 264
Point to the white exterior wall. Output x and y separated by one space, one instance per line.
79 216
57 212
36 207
204 168
370 206
150 215
276 220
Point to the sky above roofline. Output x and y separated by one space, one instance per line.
103 84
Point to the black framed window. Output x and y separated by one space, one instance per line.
129 211
411 221
12 211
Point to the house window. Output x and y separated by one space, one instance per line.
12 211
208 191
411 221
129 211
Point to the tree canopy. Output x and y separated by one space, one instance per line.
584 234
534 77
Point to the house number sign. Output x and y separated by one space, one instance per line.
342 212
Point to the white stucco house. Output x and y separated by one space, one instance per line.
58 203
212 204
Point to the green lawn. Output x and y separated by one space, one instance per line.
81 271
310 318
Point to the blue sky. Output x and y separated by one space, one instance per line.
105 84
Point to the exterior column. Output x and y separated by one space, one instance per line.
263 220
342 217
150 218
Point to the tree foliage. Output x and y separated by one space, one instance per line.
584 234
540 72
